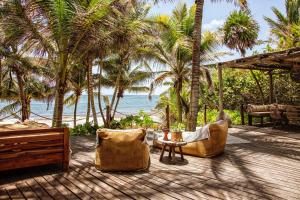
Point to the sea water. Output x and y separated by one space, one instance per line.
129 104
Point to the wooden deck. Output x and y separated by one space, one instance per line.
259 163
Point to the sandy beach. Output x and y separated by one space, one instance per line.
67 119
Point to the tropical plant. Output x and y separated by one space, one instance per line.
195 87
76 85
175 50
241 33
286 26
124 67
54 29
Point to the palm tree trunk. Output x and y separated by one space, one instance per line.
60 91
99 94
22 97
195 86
178 101
262 97
75 110
116 106
0 77
88 110
91 90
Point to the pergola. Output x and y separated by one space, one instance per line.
287 61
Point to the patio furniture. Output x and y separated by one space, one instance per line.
33 147
210 147
258 111
172 145
122 150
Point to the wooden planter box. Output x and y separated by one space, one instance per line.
35 147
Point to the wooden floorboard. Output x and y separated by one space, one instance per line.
266 166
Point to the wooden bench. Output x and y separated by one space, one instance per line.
259 111
34 147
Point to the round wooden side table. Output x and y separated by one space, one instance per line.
172 145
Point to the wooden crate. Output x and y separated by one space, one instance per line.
35 147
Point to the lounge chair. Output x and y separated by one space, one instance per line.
122 150
210 147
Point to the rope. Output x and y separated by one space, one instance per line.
13 114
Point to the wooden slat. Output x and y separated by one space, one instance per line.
14 193
31 138
32 145
38 190
3 194
29 161
26 191
30 131
52 191
60 187
40 152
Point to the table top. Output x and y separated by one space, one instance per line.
171 143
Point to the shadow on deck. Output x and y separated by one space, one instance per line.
259 163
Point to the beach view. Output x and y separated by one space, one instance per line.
149 99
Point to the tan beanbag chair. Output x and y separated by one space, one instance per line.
122 150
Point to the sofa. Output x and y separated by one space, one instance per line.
122 150
210 147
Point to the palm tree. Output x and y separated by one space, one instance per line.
287 25
77 83
125 79
195 90
175 49
241 33
57 29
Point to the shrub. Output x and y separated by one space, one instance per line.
84 129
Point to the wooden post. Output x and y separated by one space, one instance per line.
271 87
242 115
221 108
205 114
168 116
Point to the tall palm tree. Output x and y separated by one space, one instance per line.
195 90
175 49
241 33
286 26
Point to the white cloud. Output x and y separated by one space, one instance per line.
213 24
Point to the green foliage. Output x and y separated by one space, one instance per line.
240 31
178 126
146 120
213 114
84 129
142 120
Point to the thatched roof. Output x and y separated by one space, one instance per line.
288 60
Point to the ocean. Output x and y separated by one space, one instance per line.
129 104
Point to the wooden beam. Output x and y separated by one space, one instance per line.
271 87
220 77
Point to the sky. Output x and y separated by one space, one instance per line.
215 15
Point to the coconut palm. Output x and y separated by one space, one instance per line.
56 29
241 33
286 26
195 87
77 83
175 49
126 79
